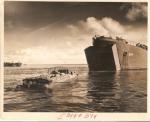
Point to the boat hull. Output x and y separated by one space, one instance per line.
117 56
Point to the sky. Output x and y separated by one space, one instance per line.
58 32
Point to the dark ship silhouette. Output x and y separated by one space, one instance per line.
115 54
11 64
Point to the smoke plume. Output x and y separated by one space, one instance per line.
110 27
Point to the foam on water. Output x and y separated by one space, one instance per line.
124 91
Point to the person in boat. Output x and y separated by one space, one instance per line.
54 72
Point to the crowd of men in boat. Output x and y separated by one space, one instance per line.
141 45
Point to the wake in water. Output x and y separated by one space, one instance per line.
92 92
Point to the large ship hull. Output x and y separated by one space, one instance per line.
115 55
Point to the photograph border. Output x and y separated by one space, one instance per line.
62 116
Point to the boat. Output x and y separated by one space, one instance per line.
46 81
107 54
12 64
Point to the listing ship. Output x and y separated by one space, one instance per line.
11 64
115 54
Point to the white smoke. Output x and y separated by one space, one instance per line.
109 27
138 10
95 26
106 26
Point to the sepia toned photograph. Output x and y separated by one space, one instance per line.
75 56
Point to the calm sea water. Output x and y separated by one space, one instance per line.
124 91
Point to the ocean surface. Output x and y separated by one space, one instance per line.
124 91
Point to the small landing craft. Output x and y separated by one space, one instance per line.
46 81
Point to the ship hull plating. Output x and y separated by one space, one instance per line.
116 56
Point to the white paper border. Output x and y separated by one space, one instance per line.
55 116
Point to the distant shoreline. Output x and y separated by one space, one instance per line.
48 65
